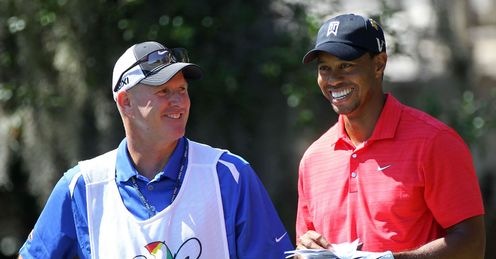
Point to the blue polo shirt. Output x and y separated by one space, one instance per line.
253 227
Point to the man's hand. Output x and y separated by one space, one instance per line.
312 240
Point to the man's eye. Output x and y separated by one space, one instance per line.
323 68
345 65
163 91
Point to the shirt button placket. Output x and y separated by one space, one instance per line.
353 174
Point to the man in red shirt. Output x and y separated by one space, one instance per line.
387 174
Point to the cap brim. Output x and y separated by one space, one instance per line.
190 71
341 50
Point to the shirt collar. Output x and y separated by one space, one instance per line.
385 127
125 167
386 124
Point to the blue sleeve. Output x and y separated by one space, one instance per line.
53 235
254 229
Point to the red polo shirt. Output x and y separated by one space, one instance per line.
400 189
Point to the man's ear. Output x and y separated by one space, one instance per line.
123 101
380 61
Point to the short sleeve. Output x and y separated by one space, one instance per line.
259 232
452 190
53 235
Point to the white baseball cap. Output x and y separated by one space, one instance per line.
151 63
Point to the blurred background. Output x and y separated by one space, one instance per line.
256 99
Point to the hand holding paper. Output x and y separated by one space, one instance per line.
339 251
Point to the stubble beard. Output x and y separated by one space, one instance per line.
344 109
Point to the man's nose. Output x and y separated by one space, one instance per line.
332 78
175 97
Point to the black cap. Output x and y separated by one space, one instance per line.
348 37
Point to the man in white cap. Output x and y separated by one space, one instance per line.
389 175
158 194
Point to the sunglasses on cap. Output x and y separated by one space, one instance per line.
154 61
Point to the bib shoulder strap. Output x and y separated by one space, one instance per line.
100 168
203 154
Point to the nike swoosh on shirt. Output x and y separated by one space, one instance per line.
382 168
278 239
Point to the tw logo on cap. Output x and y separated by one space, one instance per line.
333 28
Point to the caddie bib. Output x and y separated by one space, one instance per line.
192 226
